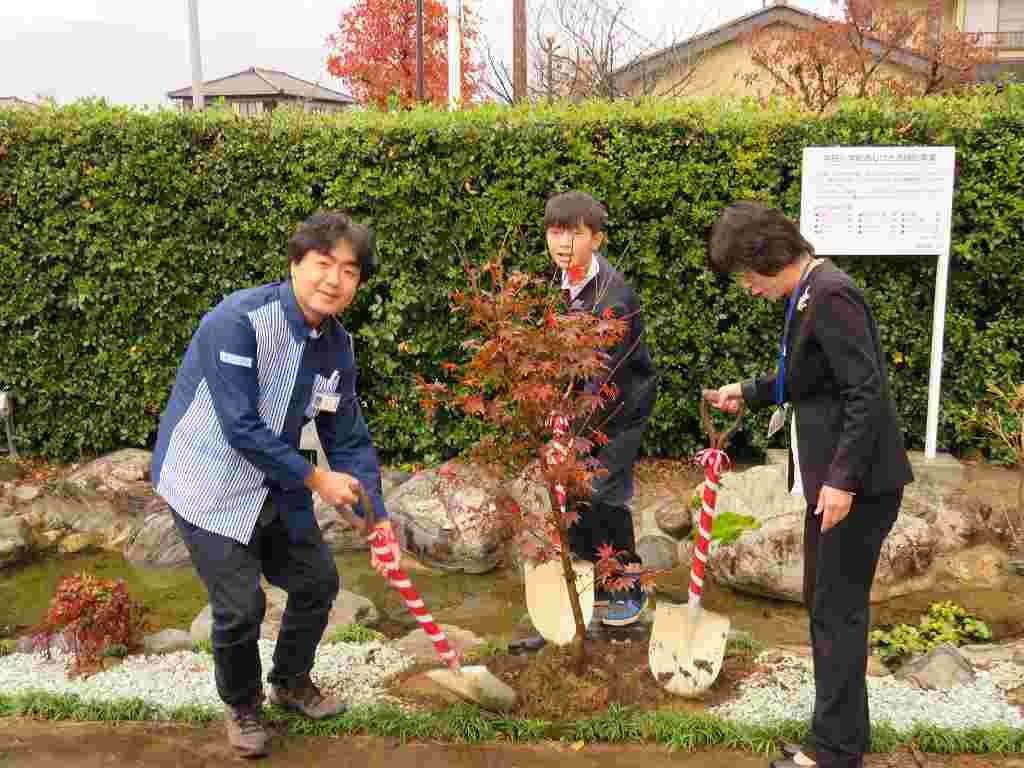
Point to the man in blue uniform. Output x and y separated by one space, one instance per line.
262 363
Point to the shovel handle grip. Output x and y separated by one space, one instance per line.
709 501
398 579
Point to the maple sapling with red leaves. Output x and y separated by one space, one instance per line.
530 363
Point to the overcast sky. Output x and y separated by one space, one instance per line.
134 51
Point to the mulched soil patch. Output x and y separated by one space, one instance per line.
617 671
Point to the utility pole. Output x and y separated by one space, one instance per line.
197 59
518 50
419 52
454 53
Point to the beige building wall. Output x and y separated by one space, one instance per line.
722 71
716 72
950 18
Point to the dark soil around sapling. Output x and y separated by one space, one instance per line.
617 672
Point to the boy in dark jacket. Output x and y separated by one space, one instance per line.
574 225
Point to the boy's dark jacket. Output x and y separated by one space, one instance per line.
631 369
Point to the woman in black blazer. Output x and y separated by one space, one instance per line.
846 456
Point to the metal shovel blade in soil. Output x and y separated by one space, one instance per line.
688 643
547 599
687 648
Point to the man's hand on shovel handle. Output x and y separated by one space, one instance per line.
335 488
384 526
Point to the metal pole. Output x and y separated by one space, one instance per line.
935 369
939 315
6 411
419 52
197 61
454 50
518 50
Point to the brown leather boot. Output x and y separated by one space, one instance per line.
306 699
245 729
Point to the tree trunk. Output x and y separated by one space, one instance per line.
1020 505
577 647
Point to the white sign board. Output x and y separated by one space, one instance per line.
885 201
877 201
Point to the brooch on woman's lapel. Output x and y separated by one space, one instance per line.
804 299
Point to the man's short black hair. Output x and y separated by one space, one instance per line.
571 208
322 231
753 237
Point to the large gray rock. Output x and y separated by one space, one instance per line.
942 667
15 540
657 549
673 515
26 493
157 541
167 641
984 655
448 517
420 647
107 525
121 471
769 560
349 608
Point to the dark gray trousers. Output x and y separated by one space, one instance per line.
606 518
839 567
231 572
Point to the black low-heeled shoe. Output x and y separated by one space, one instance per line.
789 748
790 751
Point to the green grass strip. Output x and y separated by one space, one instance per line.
467 724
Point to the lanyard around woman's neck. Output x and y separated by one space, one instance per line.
780 380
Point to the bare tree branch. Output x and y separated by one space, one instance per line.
583 49
497 75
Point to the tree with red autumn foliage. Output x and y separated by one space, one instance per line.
374 52
862 54
529 363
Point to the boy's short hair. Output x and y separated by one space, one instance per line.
571 208
322 231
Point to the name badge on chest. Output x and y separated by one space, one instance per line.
326 401
778 420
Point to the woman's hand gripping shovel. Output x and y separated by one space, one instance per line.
688 643
476 684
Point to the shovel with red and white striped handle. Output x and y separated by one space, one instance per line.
380 541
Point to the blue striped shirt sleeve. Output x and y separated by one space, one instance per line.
349 447
228 360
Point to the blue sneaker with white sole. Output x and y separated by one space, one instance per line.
623 612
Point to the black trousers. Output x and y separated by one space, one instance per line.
231 572
607 518
839 566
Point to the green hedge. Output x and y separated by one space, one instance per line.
118 229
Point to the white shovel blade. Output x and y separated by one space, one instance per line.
547 599
686 657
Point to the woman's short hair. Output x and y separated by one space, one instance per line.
752 237
322 231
